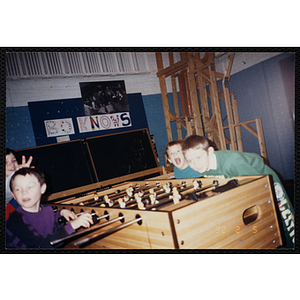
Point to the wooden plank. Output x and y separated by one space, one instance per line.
204 104
70 192
261 139
105 183
249 128
189 129
172 69
183 93
194 98
165 101
219 75
159 61
183 55
226 95
155 232
178 120
229 65
215 102
204 75
176 106
164 95
175 97
233 144
236 121
213 129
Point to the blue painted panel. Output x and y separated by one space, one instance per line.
19 131
261 93
156 122
73 108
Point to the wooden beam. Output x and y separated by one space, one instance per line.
164 96
261 139
189 129
233 145
205 75
250 129
194 97
183 93
159 61
215 102
204 104
178 120
229 65
219 75
236 121
172 69
175 97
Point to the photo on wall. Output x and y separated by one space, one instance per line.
104 97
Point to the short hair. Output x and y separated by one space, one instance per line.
9 151
28 171
196 141
170 144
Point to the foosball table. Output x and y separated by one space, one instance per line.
200 213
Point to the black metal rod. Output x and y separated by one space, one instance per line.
106 233
86 231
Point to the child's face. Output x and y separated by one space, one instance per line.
28 191
176 157
198 159
11 164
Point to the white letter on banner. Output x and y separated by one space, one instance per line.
83 124
103 122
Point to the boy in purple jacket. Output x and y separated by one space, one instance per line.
33 225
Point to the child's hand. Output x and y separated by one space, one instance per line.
84 220
25 164
68 215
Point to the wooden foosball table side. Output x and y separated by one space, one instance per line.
154 232
242 218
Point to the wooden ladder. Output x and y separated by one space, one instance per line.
200 96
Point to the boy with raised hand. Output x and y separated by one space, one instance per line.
175 156
33 225
11 167
229 163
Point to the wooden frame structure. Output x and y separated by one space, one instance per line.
200 96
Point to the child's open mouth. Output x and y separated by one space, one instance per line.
177 161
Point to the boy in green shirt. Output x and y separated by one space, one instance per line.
228 163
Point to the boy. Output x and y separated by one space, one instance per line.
176 157
11 167
33 225
202 158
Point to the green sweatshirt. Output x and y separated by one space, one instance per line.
235 163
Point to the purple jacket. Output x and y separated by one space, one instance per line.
35 230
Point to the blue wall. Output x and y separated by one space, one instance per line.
19 131
262 93
156 123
